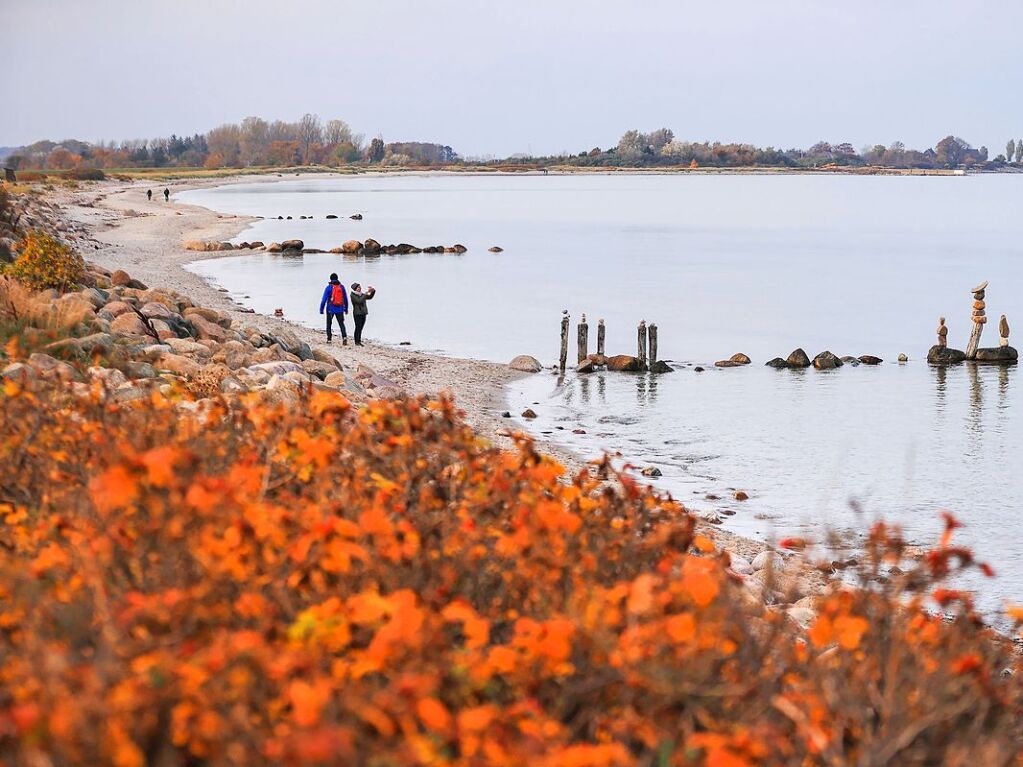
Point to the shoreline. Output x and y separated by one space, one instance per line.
126 231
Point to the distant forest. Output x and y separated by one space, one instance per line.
256 142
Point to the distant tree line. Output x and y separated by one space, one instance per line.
660 148
254 142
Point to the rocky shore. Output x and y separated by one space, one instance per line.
161 326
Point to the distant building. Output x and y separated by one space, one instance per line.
9 175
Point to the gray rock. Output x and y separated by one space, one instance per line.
998 354
96 343
826 361
944 355
279 367
903 358
20 372
869 359
766 559
47 366
740 565
798 359
660 366
777 362
526 364
319 369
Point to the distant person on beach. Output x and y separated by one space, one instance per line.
149 194
359 309
335 304
166 195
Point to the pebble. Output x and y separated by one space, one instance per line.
528 413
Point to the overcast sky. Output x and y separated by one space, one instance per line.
495 78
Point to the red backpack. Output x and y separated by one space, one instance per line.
337 295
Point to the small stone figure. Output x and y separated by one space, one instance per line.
1003 331
942 333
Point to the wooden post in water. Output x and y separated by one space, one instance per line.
565 319
641 343
600 337
583 339
979 319
653 342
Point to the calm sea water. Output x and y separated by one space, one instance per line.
758 264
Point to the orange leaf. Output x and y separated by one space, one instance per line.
113 489
434 715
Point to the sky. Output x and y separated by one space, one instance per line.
537 76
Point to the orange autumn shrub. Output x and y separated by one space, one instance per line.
44 262
249 584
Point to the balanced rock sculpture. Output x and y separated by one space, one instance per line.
940 354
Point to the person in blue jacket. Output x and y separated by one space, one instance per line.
335 303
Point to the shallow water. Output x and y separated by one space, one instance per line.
759 264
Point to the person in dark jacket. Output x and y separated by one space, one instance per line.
335 304
149 194
359 309
166 195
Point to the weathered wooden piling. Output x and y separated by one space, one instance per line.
652 330
565 319
641 343
979 319
583 340
600 337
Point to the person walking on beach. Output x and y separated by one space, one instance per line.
166 195
359 309
335 304
149 194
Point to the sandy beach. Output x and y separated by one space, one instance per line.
121 229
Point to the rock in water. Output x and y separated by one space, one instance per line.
586 366
777 362
356 217
331 216
496 249
660 366
798 359
903 358
1003 354
526 364
624 363
292 245
870 359
1003 331
528 413
371 246
651 471
944 355
826 361
739 358
351 246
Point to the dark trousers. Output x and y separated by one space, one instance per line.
360 323
340 323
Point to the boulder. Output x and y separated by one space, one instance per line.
903 358
129 324
322 356
337 379
20 372
740 565
116 309
528 413
827 361
153 309
778 363
798 359
371 246
728 364
110 377
187 346
274 247
458 248
739 358
599 360
137 369
96 343
496 249
336 251
526 364
870 359
660 366
256 244
279 367
319 369
120 278
586 366
175 363
624 363
49 367
651 471
291 343
1005 355
351 246
292 245
331 216
208 314
767 559
206 330
356 217
945 355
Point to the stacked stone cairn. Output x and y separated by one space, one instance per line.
941 354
